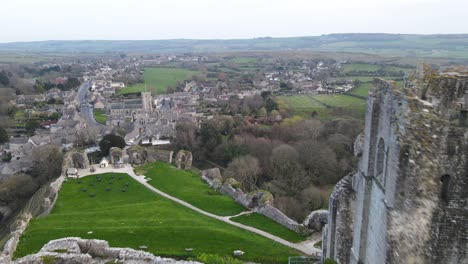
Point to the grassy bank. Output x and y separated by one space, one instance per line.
116 208
189 186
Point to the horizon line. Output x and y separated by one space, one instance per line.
223 39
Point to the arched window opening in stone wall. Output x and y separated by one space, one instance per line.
380 161
444 194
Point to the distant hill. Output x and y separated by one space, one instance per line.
429 46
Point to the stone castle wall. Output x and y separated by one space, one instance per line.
141 155
407 202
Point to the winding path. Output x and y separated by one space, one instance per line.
304 247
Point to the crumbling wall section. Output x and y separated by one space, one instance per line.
141 155
77 250
338 235
259 201
183 159
449 230
413 209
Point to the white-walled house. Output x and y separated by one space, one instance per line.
72 173
104 163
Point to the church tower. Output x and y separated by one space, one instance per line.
146 99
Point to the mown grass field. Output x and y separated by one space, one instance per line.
20 58
301 102
266 224
362 89
189 186
372 68
100 116
360 67
139 217
361 78
158 79
244 60
341 100
324 105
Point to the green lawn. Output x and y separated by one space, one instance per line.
158 79
189 186
139 217
351 106
244 60
395 69
341 100
305 105
266 224
361 67
362 89
100 116
361 78
301 102
310 103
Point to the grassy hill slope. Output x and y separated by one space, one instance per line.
116 208
430 46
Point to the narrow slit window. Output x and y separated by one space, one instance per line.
444 194
380 161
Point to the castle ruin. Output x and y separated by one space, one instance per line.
408 200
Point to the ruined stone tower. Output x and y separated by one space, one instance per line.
408 200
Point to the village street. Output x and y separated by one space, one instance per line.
86 109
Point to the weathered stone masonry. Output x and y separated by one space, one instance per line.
407 202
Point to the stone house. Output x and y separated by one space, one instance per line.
99 104
108 91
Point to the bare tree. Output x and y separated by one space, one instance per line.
286 171
246 170
47 163
186 135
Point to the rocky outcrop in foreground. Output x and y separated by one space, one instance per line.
73 250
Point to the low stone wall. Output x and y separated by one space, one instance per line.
10 246
259 201
39 205
77 250
213 177
51 196
278 216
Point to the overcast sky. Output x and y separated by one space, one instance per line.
30 20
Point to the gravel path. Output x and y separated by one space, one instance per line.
306 248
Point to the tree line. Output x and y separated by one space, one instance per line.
298 160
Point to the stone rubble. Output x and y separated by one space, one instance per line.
73 250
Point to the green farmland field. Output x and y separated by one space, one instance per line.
341 100
362 89
116 208
361 67
301 102
158 79
325 105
